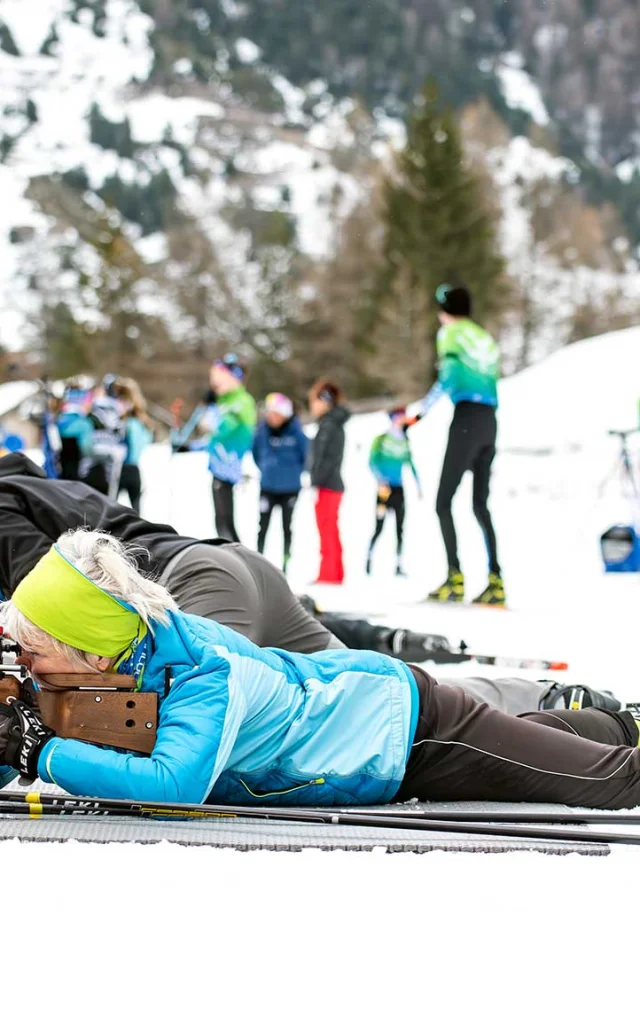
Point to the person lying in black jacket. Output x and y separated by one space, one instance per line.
218 579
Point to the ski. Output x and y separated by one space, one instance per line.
514 825
538 664
439 651
440 656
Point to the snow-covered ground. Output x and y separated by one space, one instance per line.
164 933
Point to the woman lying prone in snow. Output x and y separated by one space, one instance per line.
243 724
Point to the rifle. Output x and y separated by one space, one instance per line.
96 707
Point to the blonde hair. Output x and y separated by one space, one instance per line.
130 390
111 566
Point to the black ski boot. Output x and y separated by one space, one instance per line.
408 646
309 605
575 698
634 711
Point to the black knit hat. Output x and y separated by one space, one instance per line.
454 301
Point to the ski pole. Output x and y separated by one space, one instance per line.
34 805
35 801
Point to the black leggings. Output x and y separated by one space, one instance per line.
287 503
131 482
391 502
465 750
97 478
223 509
471 445
69 458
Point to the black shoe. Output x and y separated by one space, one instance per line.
575 698
309 605
633 709
408 646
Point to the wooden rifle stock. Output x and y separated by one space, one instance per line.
10 689
94 707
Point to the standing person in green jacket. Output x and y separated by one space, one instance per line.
469 367
390 453
231 420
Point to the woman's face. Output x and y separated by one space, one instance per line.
318 407
46 661
222 380
275 419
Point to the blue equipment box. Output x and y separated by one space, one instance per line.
620 547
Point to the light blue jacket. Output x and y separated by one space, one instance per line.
137 438
243 724
76 424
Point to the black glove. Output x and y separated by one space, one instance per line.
23 734
209 397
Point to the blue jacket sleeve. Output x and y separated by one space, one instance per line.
7 775
431 397
256 446
198 725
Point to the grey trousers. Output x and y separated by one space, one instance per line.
241 589
512 695
464 750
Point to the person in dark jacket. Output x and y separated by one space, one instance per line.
325 400
280 448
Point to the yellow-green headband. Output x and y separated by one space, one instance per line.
61 600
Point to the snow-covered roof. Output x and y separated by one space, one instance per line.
14 392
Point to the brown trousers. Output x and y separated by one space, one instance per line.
465 750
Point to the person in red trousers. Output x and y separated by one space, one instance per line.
325 400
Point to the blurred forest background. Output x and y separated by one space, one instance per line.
290 180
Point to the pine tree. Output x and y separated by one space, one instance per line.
110 134
65 344
438 227
49 45
7 42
